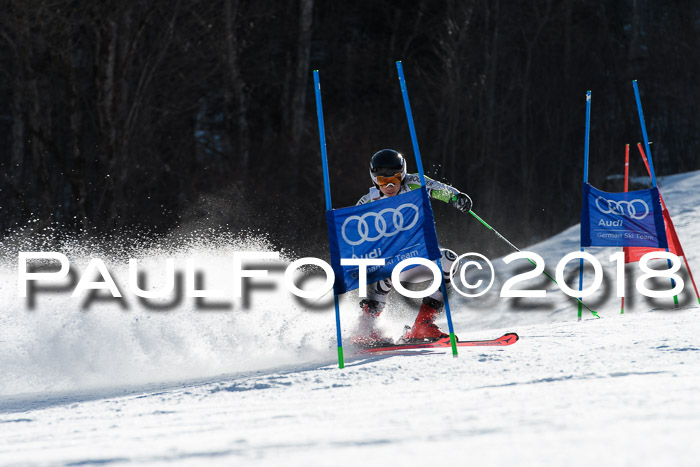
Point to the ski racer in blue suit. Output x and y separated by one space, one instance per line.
388 172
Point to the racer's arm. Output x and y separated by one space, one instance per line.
442 192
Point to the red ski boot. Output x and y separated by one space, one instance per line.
425 329
367 335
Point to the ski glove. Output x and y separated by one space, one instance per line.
462 202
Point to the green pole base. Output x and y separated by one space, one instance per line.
341 360
453 341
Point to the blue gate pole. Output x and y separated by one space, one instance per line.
421 174
585 180
651 163
588 134
644 132
327 187
411 126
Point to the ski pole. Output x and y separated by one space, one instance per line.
531 262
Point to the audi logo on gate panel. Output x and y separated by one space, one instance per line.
382 228
632 209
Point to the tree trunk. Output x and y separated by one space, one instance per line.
300 86
18 127
106 57
77 177
236 85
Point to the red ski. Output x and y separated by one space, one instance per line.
506 339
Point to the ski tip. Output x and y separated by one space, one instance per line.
510 338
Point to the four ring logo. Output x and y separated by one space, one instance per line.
634 209
364 232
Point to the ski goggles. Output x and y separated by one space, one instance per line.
384 181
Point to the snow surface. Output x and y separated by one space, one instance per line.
257 383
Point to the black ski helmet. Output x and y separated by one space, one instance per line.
387 163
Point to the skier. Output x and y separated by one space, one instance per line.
388 171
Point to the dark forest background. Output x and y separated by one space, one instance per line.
156 115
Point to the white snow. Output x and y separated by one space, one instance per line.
260 385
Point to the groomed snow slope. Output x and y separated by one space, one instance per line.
620 390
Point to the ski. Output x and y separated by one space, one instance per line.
506 339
